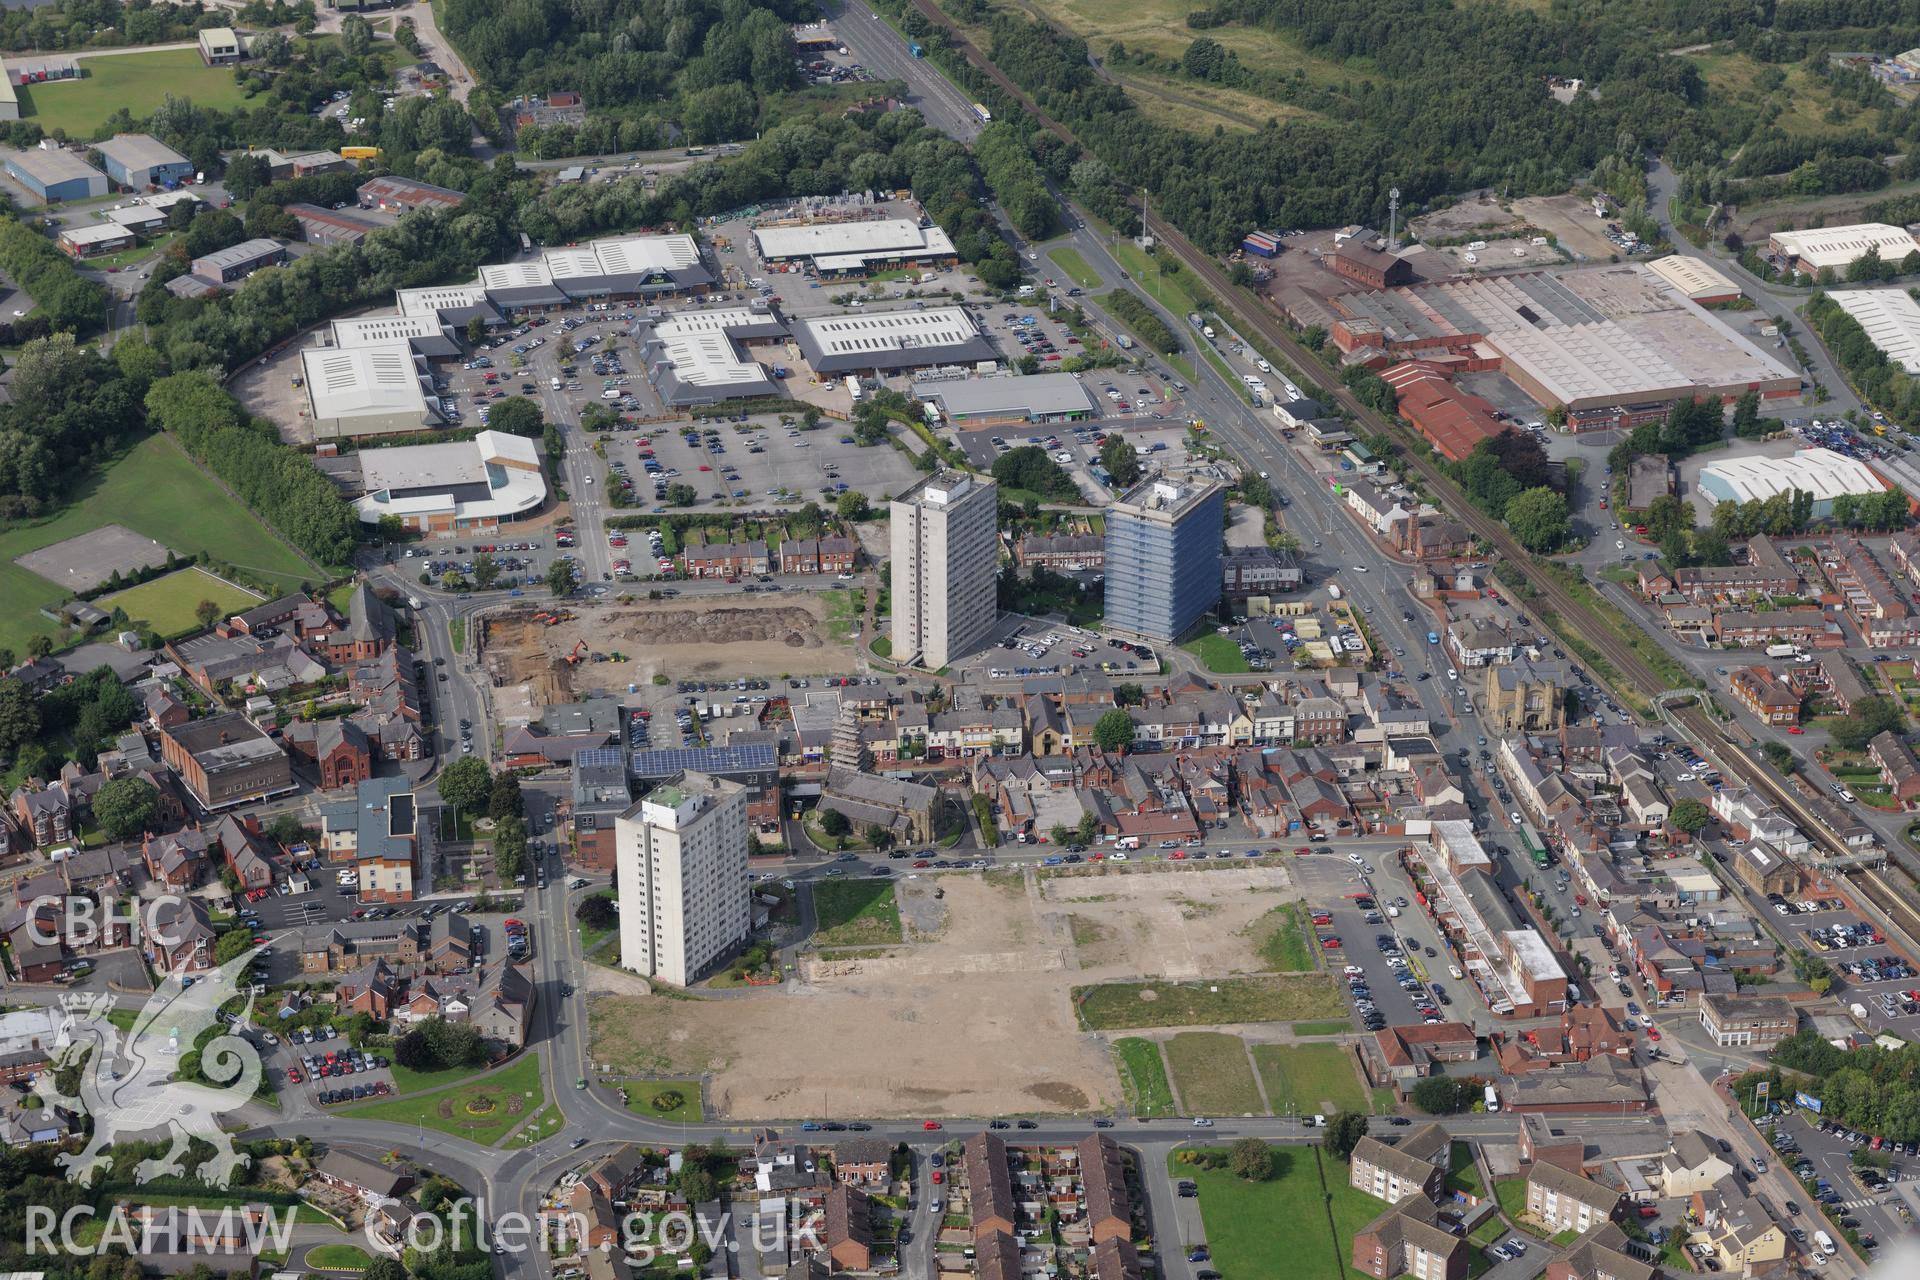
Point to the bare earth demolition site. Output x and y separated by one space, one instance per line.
614 645
990 994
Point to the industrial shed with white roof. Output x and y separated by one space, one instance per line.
1821 472
368 391
698 357
1891 318
1700 281
1841 247
849 248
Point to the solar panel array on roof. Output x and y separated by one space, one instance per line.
599 757
668 761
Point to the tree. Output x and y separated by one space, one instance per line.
596 912
1251 1158
835 823
1113 731
1121 461
356 36
412 1051
1344 1132
876 835
124 806
1747 422
207 611
466 784
231 945
486 570
1442 1095
476 334
517 416
382 1267
509 848
285 829
1779 755
39 645
1689 815
562 579
505 800
852 505
1870 717
1811 969
1128 695
1060 834
1538 517
681 495
19 715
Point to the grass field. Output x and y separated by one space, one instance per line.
1306 1078
642 1093
1114 1006
1213 1074
1280 1227
408 1081
479 1111
153 489
1076 267
1321 1028
139 82
856 913
1220 654
167 604
338 1257
1282 939
1143 1077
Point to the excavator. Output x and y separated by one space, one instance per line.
573 659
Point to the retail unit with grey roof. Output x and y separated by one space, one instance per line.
90 238
699 357
54 173
885 342
979 402
857 248
140 160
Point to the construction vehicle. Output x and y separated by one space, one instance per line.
573 658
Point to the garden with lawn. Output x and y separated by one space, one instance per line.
169 604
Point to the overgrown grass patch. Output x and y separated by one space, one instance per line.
856 913
1304 1079
1114 1006
1213 1074
1143 1077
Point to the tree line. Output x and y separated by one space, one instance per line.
279 484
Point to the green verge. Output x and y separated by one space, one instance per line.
1070 261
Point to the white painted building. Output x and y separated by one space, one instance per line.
681 866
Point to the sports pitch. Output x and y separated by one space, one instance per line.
156 491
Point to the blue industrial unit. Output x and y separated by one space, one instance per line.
55 174
139 161
1163 556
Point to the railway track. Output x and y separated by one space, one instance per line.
1632 670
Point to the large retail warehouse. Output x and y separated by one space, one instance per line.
889 342
856 248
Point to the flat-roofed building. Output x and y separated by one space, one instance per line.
282 165
54 173
91 238
1840 247
368 391
453 304
220 46
681 855
856 248
226 760
461 486
141 219
1163 556
140 160
945 556
9 99
427 335
700 357
986 402
1699 281
1749 1022
883 342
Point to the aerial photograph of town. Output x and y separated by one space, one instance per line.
959 639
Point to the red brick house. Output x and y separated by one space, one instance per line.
178 861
